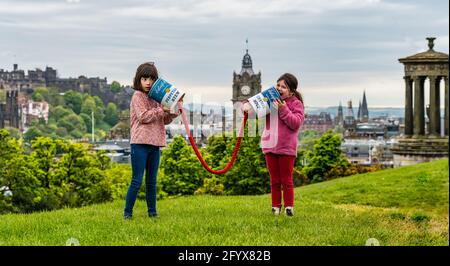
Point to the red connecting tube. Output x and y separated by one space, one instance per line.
236 148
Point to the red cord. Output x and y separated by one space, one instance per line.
236 148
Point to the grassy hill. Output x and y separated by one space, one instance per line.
403 206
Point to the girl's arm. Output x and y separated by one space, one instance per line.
294 117
168 118
145 115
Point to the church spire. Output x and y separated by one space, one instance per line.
364 109
246 42
359 111
340 115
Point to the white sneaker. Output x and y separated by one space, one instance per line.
275 211
289 211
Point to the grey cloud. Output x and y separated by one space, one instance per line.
328 44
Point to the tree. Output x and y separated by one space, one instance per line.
37 97
20 176
14 132
79 177
99 102
17 173
307 139
77 134
115 86
32 133
73 100
59 112
52 96
44 151
90 105
72 122
87 121
216 149
249 174
56 174
325 156
62 132
111 114
42 92
182 173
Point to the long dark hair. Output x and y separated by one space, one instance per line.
292 83
145 70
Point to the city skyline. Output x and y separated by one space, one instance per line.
337 50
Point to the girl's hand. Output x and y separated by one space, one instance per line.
165 109
277 103
246 107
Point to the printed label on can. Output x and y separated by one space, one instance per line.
262 102
164 93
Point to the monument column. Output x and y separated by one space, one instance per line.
419 110
446 107
408 107
425 143
435 117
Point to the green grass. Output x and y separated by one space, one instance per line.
403 206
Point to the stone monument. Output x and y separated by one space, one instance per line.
417 144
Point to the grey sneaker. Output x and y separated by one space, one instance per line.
275 211
289 211
127 217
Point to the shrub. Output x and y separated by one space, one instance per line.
249 174
182 173
211 186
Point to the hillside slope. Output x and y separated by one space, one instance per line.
404 206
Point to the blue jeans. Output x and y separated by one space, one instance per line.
143 157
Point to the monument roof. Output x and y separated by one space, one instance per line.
430 56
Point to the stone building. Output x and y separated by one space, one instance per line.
418 144
245 84
32 111
368 152
9 111
320 123
339 119
363 111
349 118
24 85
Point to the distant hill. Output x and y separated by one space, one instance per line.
373 112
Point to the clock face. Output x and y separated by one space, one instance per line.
245 90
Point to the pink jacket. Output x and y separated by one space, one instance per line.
283 138
147 120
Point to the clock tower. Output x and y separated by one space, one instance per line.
245 84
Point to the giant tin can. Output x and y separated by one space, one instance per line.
164 93
262 102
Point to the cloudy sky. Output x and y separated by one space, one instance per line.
336 48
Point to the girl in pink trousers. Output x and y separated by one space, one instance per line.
279 142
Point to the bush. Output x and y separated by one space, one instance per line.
249 174
55 174
211 186
182 173
299 178
326 155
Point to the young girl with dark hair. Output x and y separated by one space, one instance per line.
148 135
280 157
